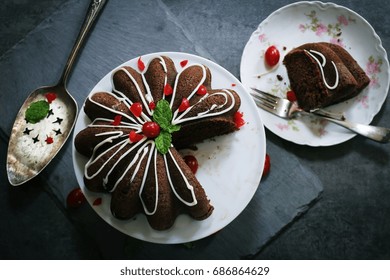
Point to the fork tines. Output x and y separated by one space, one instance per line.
264 100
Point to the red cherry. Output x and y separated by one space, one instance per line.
272 56
185 104
151 129
267 165
291 96
135 137
192 163
75 198
168 89
202 90
136 109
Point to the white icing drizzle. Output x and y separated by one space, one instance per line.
193 92
116 112
124 143
146 147
322 65
137 156
92 160
148 96
109 124
145 104
209 112
188 185
152 154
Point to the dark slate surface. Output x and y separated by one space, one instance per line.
349 221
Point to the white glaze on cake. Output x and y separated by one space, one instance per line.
322 65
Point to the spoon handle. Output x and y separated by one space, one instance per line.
93 11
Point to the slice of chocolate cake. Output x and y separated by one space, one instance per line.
322 74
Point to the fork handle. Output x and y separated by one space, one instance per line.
376 133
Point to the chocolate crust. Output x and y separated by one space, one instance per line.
93 111
155 76
189 80
130 87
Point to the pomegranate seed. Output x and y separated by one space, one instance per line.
136 109
141 64
168 89
202 90
185 104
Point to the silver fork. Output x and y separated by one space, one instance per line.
288 110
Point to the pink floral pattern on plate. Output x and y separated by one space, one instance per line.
331 29
373 68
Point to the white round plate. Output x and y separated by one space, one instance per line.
229 186
304 22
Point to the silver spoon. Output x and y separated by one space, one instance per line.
33 144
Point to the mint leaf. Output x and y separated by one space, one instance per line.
173 127
163 142
162 114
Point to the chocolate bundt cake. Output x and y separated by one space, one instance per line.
322 74
136 129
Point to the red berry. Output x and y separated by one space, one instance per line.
183 63
141 64
75 198
152 105
267 165
136 109
192 163
117 120
168 89
135 137
272 56
50 96
185 104
97 201
202 90
49 140
238 119
151 129
291 96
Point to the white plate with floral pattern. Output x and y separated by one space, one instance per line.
305 22
217 158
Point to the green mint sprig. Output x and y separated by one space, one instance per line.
163 116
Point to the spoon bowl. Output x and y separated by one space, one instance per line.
34 143
33 146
